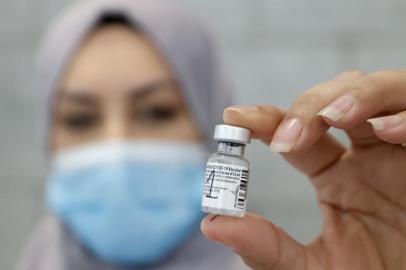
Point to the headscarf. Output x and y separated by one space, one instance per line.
188 49
179 37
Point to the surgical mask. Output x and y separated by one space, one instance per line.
129 203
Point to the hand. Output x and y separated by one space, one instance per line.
361 190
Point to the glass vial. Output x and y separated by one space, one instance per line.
227 173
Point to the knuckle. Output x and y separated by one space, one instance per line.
368 87
305 104
312 98
323 89
265 109
356 73
269 110
352 74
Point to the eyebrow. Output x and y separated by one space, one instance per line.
79 98
136 93
148 89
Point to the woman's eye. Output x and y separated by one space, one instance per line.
157 114
80 122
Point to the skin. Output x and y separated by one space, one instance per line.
118 86
361 189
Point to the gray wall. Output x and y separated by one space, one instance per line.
274 50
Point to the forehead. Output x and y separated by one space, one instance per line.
114 57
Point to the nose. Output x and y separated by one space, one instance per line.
115 128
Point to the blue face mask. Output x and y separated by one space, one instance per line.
130 203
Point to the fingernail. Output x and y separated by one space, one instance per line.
286 136
205 222
241 109
337 110
231 113
210 217
386 122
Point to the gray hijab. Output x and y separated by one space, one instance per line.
181 39
188 50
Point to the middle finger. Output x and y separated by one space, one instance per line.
302 126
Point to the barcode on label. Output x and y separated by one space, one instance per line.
242 194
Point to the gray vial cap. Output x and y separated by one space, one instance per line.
228 133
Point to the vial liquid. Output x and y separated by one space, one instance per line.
227 173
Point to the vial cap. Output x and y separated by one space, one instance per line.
228 133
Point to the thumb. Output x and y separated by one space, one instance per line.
260 243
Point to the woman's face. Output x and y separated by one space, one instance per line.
118 87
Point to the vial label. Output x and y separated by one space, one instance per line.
225 186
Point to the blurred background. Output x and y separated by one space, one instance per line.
273 51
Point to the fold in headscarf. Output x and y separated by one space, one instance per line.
179 37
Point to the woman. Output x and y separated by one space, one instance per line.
132 91
361 189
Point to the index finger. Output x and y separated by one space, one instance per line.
262 120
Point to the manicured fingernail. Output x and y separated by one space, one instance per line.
235 112
241 109
286 136
337 110
386 122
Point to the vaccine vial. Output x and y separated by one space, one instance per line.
227 173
